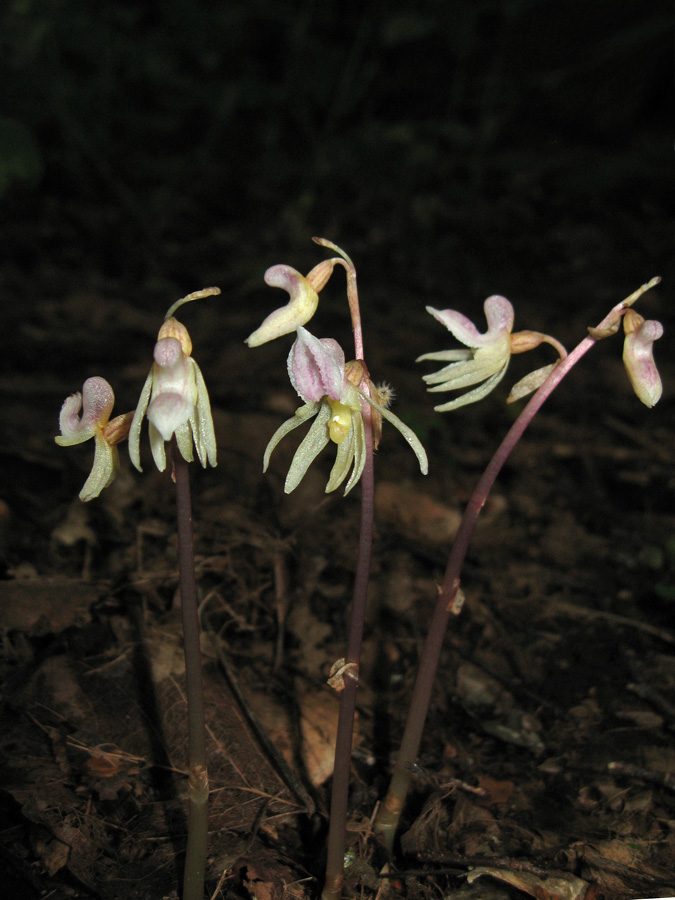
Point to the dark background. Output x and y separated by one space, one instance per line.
166 144
454 149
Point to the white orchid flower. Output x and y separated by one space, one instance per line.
332 397
484 362
96 402
303 300
175 398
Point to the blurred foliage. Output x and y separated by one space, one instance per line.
142 120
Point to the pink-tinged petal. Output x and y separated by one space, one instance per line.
173 373
458 325
168 352
69 422
499 315
316 367
301 306
168 411
638 358
97 402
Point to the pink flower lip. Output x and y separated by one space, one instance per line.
316 367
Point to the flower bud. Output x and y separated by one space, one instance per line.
638 358
319 275
172 328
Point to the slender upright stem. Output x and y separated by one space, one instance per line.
390 809
198 782
345 729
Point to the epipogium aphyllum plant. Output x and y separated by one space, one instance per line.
347 409
176 403
480 366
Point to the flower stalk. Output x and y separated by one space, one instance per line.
389 813
337 830
198 781
348 411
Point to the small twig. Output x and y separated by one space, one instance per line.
282 600
255 827
583 612
455 784
597 861
278 762
656 698
631 771
455 861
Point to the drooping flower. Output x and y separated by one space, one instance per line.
302 304
175 398
638 356
96 402
330 389
484 362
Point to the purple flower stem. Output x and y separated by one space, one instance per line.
389 813
337 829
198 782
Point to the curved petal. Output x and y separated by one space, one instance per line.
312 444
70 424
359 430
446 356
531 382
96 402
458 325
477 394
298 311
205 437
301 415
103 471
499 315
137 421
403 429
343 462
157 447
461 375
316 367
184 440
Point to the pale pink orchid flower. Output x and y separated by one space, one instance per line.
96 402
303 300
175 396
176 401
638 356
485 360
331 393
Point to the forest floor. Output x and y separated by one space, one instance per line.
548 763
